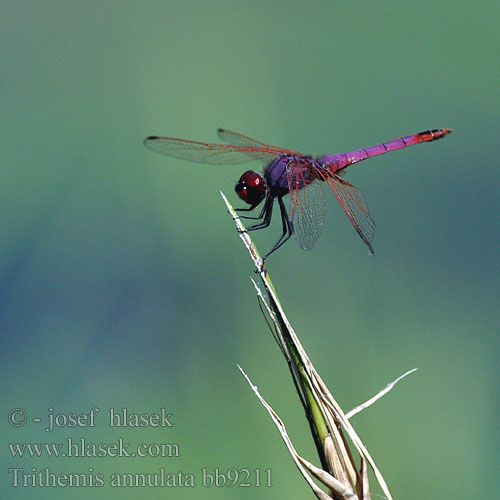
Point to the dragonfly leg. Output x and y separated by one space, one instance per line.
266 213
287 229
262 212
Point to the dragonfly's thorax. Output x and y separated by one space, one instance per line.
285 168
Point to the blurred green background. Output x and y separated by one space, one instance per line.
123 282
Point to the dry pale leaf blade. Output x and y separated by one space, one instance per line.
377 396
337 415
331 409
324 395
365 488
328 480
339 460
291 449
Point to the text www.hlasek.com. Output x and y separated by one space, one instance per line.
81 448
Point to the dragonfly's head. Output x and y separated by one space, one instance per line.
251 188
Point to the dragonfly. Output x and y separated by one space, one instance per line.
288 172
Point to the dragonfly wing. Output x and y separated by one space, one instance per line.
217 154
234 138
354 204
307 212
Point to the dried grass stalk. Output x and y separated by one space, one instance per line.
329 425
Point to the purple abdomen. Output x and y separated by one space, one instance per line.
339 161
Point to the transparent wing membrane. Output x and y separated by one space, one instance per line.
354 204
242 140
307 213
200 152
230 137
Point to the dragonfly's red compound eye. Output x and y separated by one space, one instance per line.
251 188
